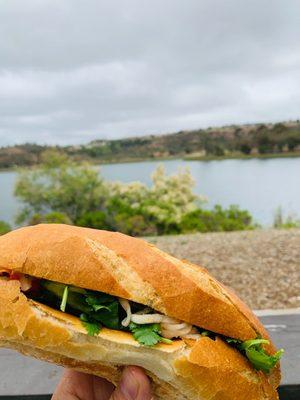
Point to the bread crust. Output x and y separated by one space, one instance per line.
203 370
130 268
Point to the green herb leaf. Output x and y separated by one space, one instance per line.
84 318
92 328
256 354
261 360
253 343
147 334
99 307
108 315
95 303
64 299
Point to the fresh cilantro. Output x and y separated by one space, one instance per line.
84 318
108 315
253 343
96 306
256 354
92 328
105 309
64 299
147 334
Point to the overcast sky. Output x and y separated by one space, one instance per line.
72 71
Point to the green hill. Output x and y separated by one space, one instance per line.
278 139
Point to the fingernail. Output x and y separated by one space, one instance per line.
129 385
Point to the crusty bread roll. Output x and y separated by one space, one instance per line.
133 269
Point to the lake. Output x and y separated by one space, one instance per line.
258 185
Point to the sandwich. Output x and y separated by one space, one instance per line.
96 301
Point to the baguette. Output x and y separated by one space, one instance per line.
130 268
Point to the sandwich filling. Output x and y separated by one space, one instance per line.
148 327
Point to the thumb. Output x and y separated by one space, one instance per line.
134 385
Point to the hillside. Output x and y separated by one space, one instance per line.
230 141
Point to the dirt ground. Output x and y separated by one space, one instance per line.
262 266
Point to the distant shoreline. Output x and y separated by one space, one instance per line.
235 156
274 140
238 156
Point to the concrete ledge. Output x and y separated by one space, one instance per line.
287 311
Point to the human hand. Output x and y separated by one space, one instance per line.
134 385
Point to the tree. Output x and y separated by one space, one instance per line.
60 185
292 142
4 227
265 144
245 148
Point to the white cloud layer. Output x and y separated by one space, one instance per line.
73 71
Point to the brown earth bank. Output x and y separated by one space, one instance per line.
262 266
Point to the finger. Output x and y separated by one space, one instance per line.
66 387
134 385
102 388
77 385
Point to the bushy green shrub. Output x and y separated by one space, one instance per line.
134 225
4 227
53 217
160 207
63 191
216 220
94 219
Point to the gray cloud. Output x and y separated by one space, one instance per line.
72 71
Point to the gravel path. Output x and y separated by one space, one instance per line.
262 266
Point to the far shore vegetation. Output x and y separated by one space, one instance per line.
235 141
62 190
241 156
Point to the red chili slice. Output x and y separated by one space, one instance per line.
15 276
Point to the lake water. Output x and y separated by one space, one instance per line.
258 185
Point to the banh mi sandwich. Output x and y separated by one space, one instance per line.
97 300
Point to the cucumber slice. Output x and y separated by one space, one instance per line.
75 300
